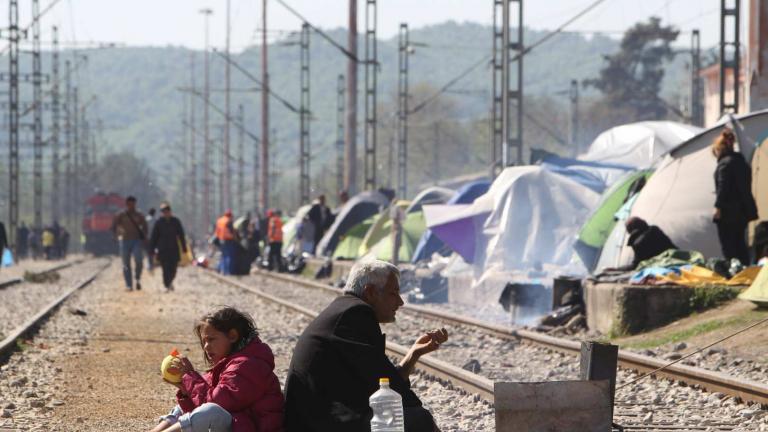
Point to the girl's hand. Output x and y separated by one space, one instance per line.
185 365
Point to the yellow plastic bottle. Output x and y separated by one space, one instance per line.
170 367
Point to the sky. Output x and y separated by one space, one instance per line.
179 22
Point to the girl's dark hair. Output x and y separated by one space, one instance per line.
224 320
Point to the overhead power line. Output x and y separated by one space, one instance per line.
245 72
525 51
34 20
320 32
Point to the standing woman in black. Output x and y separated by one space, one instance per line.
734 204
168 242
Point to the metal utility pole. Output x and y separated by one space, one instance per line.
304 142
697 107
14 35
371 66
264 203
729 54
37 112
241 159
207 218
225 186
340 108
69 185
511 136
350 132
402 112
573 137
193 149
496 92
435 152
75 151
55 107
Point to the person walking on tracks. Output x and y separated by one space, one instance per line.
225 233
130 228
734 204
167 243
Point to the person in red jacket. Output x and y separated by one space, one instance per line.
240 393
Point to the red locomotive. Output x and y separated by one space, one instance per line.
100 209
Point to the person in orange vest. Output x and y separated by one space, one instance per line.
225 233
275 239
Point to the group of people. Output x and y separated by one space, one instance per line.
163 238
336 366
734 208
49 242
239 240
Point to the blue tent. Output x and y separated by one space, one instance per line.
429 243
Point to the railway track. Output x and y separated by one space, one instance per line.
29 325
632 413
693 376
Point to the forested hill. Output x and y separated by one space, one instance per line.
141 106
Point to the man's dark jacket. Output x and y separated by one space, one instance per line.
166 236
336 367
648 243
733 190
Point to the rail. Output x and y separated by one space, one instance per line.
9 344
711 381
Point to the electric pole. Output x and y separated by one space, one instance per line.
512 137
304 140
14 35
193 149
371 66
402 112
69 183
206 129
730 48
350 132
573 97
497 125
264 111
340 107
224 187
55 106
697 110
37 112
241 159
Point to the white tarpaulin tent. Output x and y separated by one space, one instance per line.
680 196
640 144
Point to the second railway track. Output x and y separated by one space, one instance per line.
522 355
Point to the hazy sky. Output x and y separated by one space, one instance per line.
178 22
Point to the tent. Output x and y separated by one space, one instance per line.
353 212
349 246
413 228
638 145
289 228
680 195
600 224
758 292
429 243
380 228
430 195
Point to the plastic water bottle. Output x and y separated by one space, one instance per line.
387 406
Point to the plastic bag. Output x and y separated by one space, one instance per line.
185 258
7 260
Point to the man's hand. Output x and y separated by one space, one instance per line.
716 214
425 344
429 342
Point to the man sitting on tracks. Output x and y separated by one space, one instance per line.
340 357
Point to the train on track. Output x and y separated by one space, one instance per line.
100 209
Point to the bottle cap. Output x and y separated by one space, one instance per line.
383 381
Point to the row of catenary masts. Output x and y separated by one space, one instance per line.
55 123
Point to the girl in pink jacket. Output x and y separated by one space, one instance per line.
239 393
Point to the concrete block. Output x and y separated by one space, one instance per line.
556 406
614 308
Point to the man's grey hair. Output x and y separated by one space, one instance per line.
374 272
